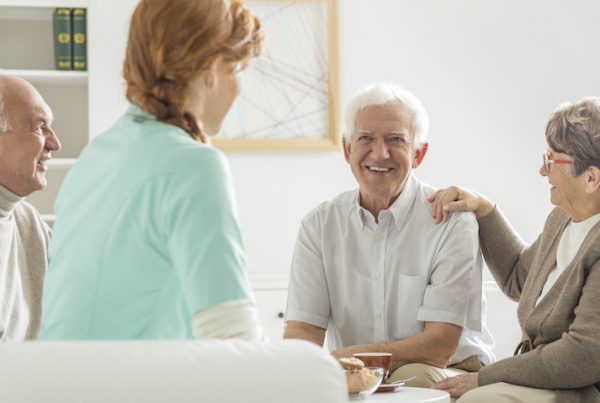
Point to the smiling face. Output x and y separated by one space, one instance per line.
29 141
566 190
381 154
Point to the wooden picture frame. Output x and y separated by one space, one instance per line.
290 98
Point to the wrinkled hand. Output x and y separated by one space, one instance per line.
458 385
345 352
456 199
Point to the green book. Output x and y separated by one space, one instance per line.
61 19
78 18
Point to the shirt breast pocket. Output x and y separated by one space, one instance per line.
404 299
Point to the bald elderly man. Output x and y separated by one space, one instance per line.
26 144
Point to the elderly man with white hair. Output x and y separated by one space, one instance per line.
26 143
372 270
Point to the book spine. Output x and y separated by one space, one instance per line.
78 18
61 19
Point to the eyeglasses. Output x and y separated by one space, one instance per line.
549 161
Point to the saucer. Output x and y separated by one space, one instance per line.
386 387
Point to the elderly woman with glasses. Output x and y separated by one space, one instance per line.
556 280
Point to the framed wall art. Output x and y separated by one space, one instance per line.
289 99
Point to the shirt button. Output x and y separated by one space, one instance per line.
378 314
377 275
378 237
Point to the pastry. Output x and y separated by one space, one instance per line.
351 363
360 379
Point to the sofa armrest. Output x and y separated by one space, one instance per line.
213 371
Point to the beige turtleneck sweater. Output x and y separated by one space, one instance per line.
24 238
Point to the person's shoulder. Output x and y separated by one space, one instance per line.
556 220
25 211
200 160
339 204
201 173
557 217
464 218
174 138
172 150
423 191
145 142
456 218
29 219
154 137
192 150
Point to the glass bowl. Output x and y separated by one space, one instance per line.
363 382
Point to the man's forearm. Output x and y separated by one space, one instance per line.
434 346
304 331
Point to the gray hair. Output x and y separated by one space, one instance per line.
574 129
3 120
387 93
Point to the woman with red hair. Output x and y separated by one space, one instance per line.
146 243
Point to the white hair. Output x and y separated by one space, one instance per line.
3 121
386 93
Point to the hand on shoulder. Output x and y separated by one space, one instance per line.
454 198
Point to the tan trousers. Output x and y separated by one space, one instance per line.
507 393
425 375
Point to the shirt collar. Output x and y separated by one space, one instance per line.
8 202
586 224
138 114
399 209
361 212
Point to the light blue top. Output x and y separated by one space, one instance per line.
146 235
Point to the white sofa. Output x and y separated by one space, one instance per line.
501 320
169 372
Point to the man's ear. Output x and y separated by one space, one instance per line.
419 155
346 146
592 180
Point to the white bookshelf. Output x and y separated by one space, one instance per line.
51 77
44 3
27 51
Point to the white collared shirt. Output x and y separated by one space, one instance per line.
372 282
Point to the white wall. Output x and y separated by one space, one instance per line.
274 193
489 73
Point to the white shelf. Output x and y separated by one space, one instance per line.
44 3
26 43
51 77
25 13
61 163
34 10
